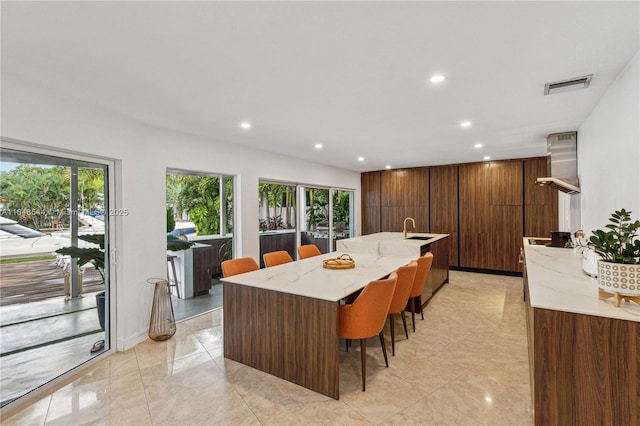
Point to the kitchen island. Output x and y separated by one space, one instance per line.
416 244
283 320
583 352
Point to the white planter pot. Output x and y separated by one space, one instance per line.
619 279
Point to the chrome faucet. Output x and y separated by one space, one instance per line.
404 231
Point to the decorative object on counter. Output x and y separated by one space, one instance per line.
162 324
342 262
619 268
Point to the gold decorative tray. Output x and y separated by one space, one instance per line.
342 262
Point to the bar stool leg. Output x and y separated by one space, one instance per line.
170 261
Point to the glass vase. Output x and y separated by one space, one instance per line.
162 324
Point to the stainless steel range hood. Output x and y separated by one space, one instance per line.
562 163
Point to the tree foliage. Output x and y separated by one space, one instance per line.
280 206
199 198
39 196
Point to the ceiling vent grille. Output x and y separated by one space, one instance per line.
568 85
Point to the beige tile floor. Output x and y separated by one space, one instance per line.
465 365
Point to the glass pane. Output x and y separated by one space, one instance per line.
53 307
277 218
342 214
199 210
316 228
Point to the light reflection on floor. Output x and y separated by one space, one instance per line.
466 364
32 325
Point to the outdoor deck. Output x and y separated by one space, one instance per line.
39 280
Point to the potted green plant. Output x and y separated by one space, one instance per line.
619 267
95 256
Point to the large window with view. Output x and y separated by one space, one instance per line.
199 211
54 269
328 213
277 218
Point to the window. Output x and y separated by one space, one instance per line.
277 218
200 210
328 214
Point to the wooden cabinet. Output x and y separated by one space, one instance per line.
439 273
486 208
202 269
222 249
474 215
404 193
370 188
278 240
540 202
491 215
443 203
585 369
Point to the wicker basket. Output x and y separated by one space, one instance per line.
342 262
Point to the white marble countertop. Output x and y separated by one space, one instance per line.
308 278
557 282
388 243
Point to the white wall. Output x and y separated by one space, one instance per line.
40 116
609 152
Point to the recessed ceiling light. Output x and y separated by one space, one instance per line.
478 145
360 158
388 166
486 157
245 125
437 78
465 123
318 146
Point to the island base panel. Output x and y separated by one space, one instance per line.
291 337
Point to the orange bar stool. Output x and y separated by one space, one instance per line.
365 317
238 266
308 250
415 297
276 258
406 275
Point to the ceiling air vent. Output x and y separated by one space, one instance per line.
568 85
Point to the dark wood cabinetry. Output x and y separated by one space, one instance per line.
439 273
278 240
584 369
222 250
491 215
202 269
370 187
474 215
443 202
486 208
404 193
540 202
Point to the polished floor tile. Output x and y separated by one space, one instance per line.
466 364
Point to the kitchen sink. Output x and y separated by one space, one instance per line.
419 237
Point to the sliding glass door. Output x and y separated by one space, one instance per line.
328 213
277 218
54 307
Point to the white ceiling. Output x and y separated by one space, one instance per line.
351 75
